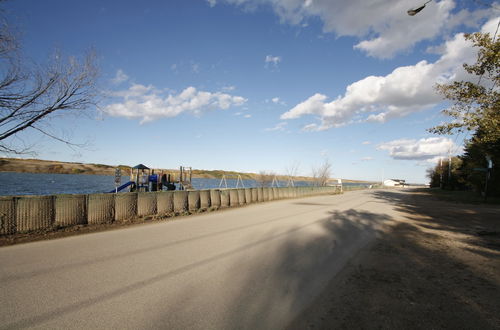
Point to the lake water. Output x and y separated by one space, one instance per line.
52 184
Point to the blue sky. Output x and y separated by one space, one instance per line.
252 85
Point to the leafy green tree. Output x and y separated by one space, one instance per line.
476 105
475 108
474 159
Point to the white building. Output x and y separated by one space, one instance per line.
394 183
335 183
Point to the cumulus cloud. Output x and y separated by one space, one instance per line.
120 77
148 103
405 90
429 149
403 32
383 27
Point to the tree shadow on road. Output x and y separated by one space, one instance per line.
416 275
429 271
281 273
296 272
480 223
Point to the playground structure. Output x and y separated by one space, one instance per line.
185 176
144 179
239 182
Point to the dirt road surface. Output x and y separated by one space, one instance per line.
436 267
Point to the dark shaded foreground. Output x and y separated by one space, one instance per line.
437 267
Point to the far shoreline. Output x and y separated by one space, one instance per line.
37 166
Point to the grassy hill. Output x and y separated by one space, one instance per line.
52 166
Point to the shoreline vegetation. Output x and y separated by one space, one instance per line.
57 167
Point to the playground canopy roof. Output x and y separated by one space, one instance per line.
140 167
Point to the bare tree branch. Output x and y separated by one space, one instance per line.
264 178
34 94
322 174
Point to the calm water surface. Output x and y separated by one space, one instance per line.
52 184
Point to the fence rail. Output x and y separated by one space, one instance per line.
20 214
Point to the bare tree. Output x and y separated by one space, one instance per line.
31 95
264 178
321 174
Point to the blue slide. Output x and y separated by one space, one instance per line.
123 186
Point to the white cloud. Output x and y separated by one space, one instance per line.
212 3
228 88
149 103
279 127
428 149
366 159
405 90
366 142
383 27
273 60
243 115
277 100
120 77
402 31
310 128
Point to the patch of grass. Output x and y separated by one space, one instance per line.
55 168
219 173
102 166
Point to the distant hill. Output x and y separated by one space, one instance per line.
52 166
